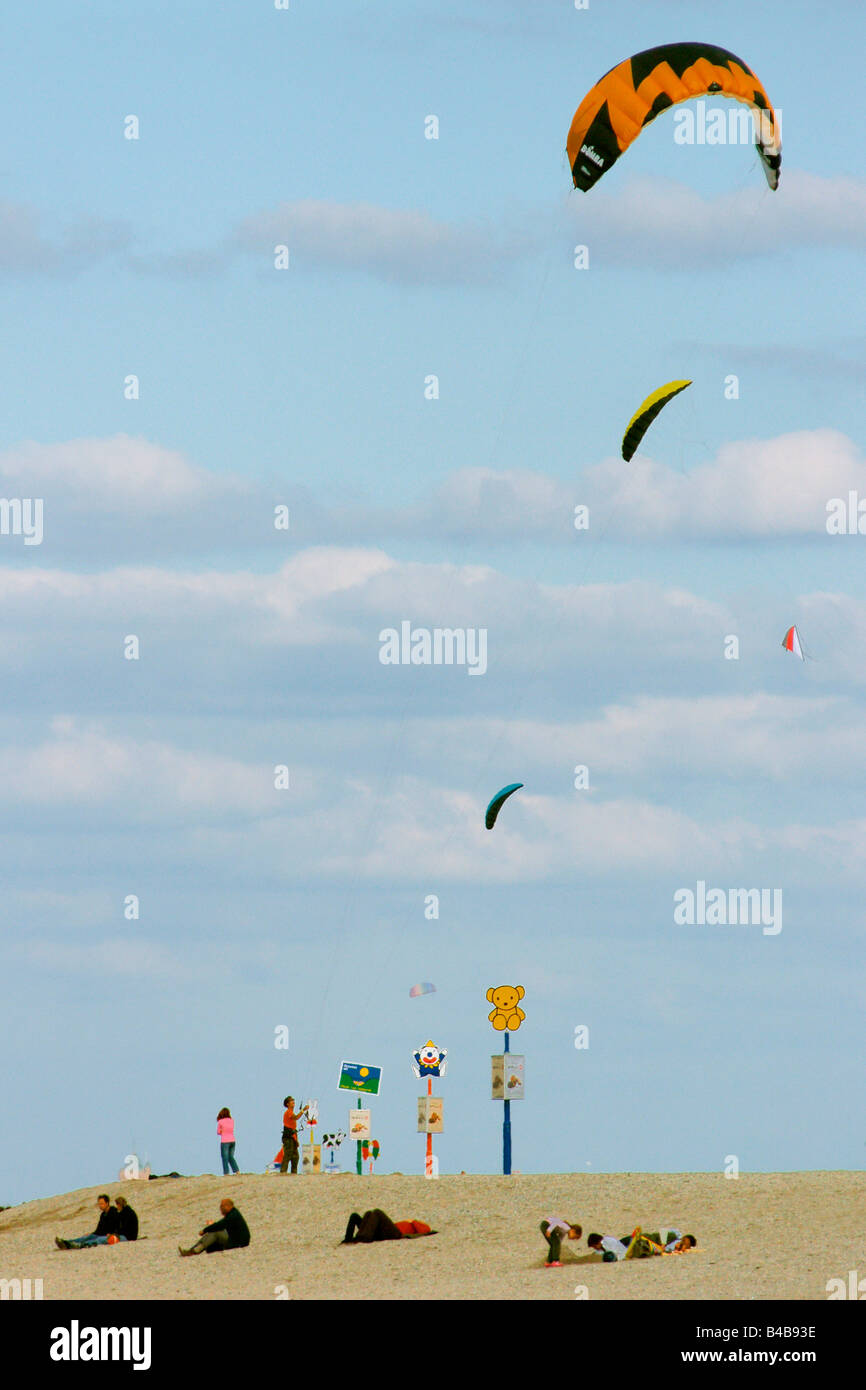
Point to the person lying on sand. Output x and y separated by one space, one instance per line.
107 1225
651 1243
556 1229
638 1246
232 1233
375 1225
608 1246
680 1244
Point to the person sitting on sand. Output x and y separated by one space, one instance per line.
232 1233
375 1225
107 1225
556 1229
127 1218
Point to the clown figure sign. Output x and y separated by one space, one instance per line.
429 1060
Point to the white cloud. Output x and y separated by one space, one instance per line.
662 223
109 475
403 245
413 831
100 493
206 809
224 631
309 631
103 960
845 360
753 487
480 503
177 597
83 767
25 249
727 738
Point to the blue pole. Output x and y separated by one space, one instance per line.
506 1126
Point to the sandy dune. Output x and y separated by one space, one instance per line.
765 1235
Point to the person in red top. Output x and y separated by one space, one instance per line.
375 1225
290 1134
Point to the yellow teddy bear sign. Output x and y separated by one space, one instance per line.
505 1013
507 1069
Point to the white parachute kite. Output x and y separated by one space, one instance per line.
791 642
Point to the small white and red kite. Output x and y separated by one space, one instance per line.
791 642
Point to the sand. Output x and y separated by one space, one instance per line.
761 1236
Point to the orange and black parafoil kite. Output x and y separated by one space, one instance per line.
632 94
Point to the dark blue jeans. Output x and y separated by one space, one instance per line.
228 1157
83 1242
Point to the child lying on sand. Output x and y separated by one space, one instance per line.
638 1246
609 1249
651 1243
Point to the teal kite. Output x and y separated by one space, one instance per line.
496 804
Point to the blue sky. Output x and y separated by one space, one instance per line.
411 257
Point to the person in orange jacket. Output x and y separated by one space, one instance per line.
291 1153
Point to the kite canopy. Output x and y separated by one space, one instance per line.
496 804
421 989
613 114
791 642
644 416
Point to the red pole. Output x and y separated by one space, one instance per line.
428 1165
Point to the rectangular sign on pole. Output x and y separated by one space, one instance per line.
311 1158
359 1125
430 1115
356 1077
506 1079
514 1076
497 1078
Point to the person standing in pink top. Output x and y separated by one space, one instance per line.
226 1132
